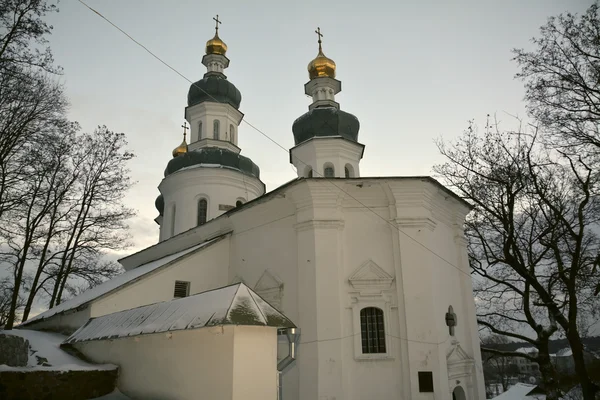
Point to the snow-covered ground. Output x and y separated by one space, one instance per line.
45 354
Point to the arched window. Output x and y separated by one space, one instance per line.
231 133
239 203
200 133
329 172
216 128
308 171
202 211
348 171
372 331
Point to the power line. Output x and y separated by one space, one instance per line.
275 142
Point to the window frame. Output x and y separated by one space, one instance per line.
378 313
200 124
384 303
198 200
216 129
327 166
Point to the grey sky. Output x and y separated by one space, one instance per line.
411 71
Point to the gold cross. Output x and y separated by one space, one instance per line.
185 128
217 22
320 35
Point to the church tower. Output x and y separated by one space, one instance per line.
326 138
208 176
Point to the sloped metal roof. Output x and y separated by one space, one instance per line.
118 282
231 305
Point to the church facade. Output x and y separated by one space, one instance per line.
372 271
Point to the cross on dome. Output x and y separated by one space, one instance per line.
321 66
217 22
320 35
185 128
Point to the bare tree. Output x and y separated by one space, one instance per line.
99 220
501 367
532 248
561 78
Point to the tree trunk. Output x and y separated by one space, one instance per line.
548 372
588 388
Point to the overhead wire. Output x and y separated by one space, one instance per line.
276 143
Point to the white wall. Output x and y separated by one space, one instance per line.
317 238
217 363
219 186
319 151
205 269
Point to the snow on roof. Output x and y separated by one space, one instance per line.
526 350
231 305
116 282
45 354
566 352
520 391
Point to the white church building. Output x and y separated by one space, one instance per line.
333 286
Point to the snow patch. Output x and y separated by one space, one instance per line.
46 355
231 305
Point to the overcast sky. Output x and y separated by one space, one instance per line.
411 71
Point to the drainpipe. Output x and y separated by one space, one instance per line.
293 335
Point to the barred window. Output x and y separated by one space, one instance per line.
372 330
202 211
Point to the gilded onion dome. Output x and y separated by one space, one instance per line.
182 148
321 65
216 45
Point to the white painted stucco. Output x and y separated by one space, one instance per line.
221 187
321 254
203 269
319 152
218 363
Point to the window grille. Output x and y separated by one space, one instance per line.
202 211
372 330
329 173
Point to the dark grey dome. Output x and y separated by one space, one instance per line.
213 155
159 203
325 121
214 88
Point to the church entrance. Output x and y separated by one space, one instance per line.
458 394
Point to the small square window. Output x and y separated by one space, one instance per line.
425 381
182 289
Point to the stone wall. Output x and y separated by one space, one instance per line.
14 350
56 385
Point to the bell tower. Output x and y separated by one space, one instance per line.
208 176
326 137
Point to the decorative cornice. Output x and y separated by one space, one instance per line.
418 222
319 224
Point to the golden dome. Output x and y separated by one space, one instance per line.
181 149
321 65
216 46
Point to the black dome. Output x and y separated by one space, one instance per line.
214 88
159 203
325 121
213 155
